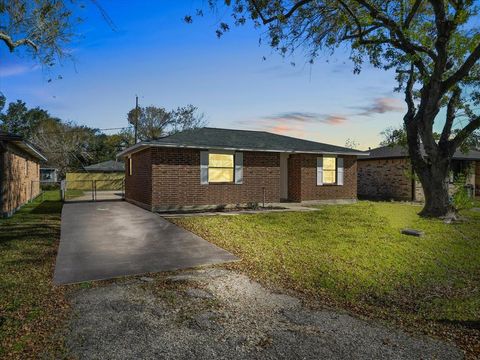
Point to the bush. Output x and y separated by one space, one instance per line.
462 198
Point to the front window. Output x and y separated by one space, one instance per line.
220 168
329 170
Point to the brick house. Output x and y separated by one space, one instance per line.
386 173
19 173
211 167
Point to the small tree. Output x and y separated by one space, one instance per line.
433 45
154 122
20 120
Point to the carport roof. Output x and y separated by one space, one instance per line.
106 166
243 140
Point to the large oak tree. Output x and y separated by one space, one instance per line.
433 45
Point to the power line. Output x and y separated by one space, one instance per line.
86 129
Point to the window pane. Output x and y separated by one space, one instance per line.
329 176
220 175
329 163
220 160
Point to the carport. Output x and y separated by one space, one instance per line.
102 240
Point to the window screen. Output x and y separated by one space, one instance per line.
329 170
220 168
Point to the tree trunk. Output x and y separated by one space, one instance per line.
434 180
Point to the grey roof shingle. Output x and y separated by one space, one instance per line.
214 138
398 151
106 166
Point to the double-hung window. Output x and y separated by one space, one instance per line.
221 168
329 170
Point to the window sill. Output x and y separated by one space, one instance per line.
221 183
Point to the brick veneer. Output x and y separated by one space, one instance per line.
20 175
477 178
176 180
385 179
138 186
167 178
302 173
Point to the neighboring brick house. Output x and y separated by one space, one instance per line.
386 173
211 167
19 173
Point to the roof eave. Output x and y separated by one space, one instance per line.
141 146
30 149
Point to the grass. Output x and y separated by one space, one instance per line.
356 257
30 306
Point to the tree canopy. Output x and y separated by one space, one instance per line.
154 122
432 45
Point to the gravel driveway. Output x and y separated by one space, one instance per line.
220 314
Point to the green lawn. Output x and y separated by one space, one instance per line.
30 307
354 255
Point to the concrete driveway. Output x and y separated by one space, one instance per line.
110 239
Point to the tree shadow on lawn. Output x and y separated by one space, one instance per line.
469 324
47 207
37 233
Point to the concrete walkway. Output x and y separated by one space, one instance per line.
111 239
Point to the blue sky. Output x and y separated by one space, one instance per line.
168 63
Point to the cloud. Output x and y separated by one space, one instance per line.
295 123
381 106
15 69
306 117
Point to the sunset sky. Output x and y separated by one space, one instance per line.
152 52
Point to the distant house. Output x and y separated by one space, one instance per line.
386 173
211 167
19 173
107 175
109 166
48 174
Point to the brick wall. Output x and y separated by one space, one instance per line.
295 177
176 180
385 179
20 175
311 191
138 186
166 178
477 178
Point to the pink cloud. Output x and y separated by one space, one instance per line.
335 119
381 106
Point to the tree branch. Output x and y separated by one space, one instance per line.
463 70
409 97
411 14
286 15
14 44
406 45
465 133
450 116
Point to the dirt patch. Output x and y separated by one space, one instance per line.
216 313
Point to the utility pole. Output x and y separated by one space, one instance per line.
136 118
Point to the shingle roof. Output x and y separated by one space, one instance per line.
398 151
213 138
106 166
23 144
